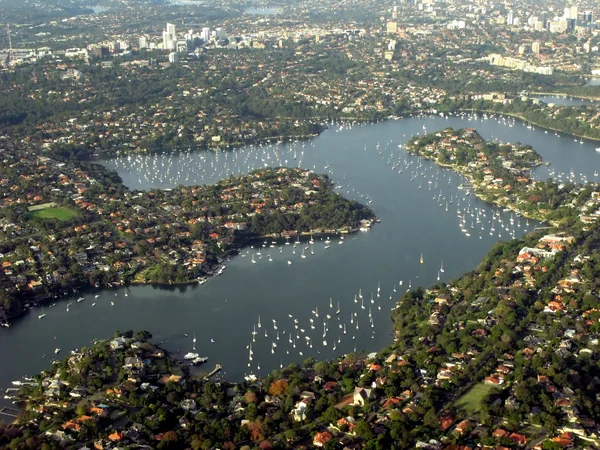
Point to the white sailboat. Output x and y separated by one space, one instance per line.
43 314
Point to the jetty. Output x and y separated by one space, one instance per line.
212 372
10 412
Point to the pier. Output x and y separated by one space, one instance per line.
6 411
212 372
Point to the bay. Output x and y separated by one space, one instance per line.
407 193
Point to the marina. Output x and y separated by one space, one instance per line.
282 301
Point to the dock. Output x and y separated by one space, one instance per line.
212 372
6 411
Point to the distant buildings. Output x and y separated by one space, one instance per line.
205 34
169 37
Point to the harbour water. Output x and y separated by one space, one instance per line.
566 100
419 205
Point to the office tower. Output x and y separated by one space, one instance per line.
143 42
205 35
395 13
173 57
535 48
220 33
510 18
573 14
169 37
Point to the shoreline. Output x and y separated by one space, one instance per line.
523 119
212 272
478 194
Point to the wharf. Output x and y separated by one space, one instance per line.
6 411
212 372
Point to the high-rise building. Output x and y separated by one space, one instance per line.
535 48
510 18
573 14
143 42
392 27
169 37
205 35
395 13
173 57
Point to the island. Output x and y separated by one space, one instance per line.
65 225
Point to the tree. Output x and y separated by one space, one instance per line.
251 397
431 419
363 430
279 387
331 415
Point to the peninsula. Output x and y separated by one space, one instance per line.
67 225
500 173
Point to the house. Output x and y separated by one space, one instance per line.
462 427
445 422
499 433
299 411
362 394
518 439
118 343
348 422
116 436
321 438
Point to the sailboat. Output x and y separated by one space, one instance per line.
259 325
337 311
330 302
442 267
303 255
253 260
378 289
421 260
42 315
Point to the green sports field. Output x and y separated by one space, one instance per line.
470 402
61 213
